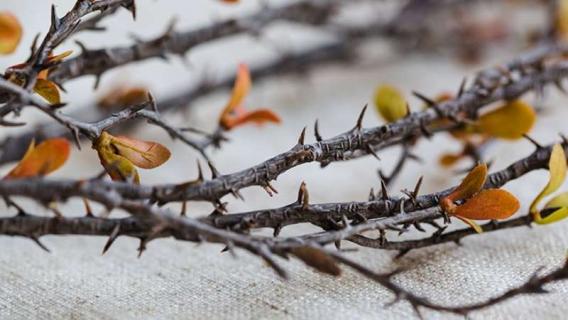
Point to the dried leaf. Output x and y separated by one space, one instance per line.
241 89
10 33
511 121
259 117
557 170
42 159
119 155
449 159
143 154
118 167
490 204
234 113
471 184
390 103
123 96
317 259
47 90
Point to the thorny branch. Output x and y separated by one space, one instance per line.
340 221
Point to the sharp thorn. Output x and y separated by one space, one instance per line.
113 235
302 136
359 123
41 245
429 102
461 90
316 131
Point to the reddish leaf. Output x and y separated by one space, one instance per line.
235 114
41 160
490 204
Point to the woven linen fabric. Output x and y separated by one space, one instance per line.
177 280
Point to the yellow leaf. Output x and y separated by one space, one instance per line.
555 210
472 224
510 121
58 58
42 159
557 174
10 33
390 103
490 204
118 167
48 90
561 19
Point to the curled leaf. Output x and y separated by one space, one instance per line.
317 259
42 159
10 33
234 114
123 96
557 174
472 224
119 155
510 121
390 103
490 204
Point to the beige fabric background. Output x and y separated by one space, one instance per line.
176 280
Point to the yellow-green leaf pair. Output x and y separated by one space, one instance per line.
489 204
509 121
557 208
119 156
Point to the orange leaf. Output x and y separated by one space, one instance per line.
143 154
471 184
241 88
123 96
258 116
10 33
47 157
48 90
317 259
490 204
449 159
